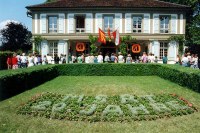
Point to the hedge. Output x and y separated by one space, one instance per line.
3 59
107 69
181 75
13 82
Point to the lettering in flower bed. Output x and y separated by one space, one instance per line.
125 107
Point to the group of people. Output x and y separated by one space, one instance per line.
113 58
22 61
188 60
16 61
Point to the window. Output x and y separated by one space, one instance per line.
164 24
163 49
80 24
53 24
137 24
53 48
108 23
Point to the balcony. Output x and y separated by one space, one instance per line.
80 30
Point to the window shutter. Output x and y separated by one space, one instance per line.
181 24
156 48
89 23
174 23
98 22
128 23
146 23
36 23
61 23
71 25
118 22
172 51
43 26
44 48
61 47
156 22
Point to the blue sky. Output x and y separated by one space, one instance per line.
15 10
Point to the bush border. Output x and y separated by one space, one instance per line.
13 82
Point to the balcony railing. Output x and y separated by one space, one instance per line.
80 30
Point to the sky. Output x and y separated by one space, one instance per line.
14 10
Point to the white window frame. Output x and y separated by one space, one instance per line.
106 28
53 29
137 24
164 28
163 49
53 48
80 30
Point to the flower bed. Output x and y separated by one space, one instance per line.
124 107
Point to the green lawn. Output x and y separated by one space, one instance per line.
93 85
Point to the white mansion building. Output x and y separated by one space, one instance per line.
65 23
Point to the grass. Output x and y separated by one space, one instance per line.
109 85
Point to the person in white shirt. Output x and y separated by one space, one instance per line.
129 59
107 58
185 61
87 59
24 61
120 58
30 61
44 60
35 57
100 58
49 59
91 58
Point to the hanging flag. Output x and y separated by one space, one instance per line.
116 37
114 34
102 37
109 35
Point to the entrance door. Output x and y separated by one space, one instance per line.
108 51
109 48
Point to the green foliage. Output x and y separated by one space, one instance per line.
48 1
52 105
181 41
180 75
16 36
14 82
37 40
3 59
106 69
195 30
93 40
123 45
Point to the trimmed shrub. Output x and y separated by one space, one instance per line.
181 75
13 82
107 69
3 59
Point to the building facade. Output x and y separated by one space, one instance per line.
65 23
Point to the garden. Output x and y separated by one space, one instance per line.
100 98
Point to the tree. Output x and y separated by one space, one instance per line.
16 37
93 40
123 44
47 1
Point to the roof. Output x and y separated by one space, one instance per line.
108 4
